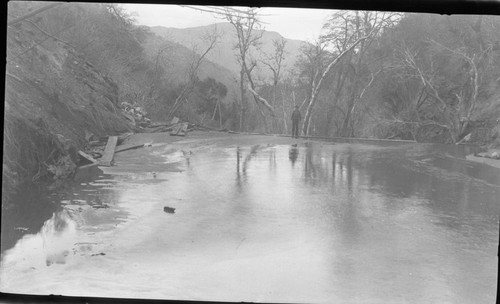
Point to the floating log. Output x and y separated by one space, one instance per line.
109 152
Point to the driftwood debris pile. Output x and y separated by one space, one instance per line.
100 151
175 127
178 128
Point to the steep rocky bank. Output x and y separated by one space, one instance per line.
53 98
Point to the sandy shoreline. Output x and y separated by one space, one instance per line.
485 160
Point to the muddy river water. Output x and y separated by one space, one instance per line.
266 219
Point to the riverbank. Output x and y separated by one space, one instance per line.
490 157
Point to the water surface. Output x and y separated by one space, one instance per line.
262 221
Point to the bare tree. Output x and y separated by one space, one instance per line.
246 25
275 63
457 105
317 82
212 40
343 30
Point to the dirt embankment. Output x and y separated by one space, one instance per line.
54 99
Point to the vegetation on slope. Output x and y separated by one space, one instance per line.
54 94
417 76
71 69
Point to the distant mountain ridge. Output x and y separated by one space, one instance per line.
224 53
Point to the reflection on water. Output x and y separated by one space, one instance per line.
293 153
27 217
316 222
51 245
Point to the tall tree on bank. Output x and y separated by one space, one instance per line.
246 25
455 83
348 32
442 69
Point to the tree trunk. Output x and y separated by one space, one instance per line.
350 107
307 117
220 114
242 100
354 97
333 104
317 84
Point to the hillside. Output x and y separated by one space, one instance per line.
178 58
224 53
53 97
75 71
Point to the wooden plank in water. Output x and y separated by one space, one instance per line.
109 152
87 157
128 147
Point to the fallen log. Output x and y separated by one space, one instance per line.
128 147
174 121
200 127
163 129
162 124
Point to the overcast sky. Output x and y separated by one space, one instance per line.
301 24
